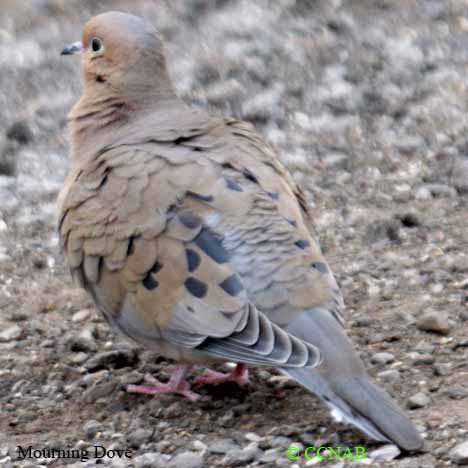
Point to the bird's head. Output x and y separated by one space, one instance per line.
124 55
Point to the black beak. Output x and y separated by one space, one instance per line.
72 49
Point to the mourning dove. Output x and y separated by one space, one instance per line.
192 238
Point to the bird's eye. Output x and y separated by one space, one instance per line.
96 45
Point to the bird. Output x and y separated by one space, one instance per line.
194 240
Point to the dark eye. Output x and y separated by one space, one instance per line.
96 44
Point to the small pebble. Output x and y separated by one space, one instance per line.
199 446
382 358
362 322
84 341
390 375
418 400
227 419
77 359
423 193
98 391
457 392
8 158
335 160
81 315
409 144
252 437
115 359
138 437
187 460
240 457
442 369
222 446
174 410
424 347
459 454
441 190
423 359
95 378
287 430
385 453
151 460
92 427
434 321
270 455
281 441
12 333
460 175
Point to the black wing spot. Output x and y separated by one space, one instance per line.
156 267
249 175
193 260
149 282
320 266
103 181
188 219
196 287
205 198
232 285
211 245
274 195
292 222
302 244
233 185
182 139
131 246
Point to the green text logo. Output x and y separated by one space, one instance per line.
323 453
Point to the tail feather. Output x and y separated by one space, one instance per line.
342 382
358 401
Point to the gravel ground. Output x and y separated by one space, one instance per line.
367 103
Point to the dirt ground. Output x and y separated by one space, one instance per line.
367 103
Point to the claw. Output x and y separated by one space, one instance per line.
240 375
176 384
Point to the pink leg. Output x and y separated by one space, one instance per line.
176 384
239 375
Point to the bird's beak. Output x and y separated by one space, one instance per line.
72 49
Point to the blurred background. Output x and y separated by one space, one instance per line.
366 101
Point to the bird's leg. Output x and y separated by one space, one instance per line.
240 375
176 384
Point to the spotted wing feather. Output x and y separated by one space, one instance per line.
143 246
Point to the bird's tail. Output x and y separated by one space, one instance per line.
358 401
342 382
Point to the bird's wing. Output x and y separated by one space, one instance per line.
138 226
270 243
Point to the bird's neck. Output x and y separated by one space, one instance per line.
96 121
94 112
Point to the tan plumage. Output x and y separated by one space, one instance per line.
189 233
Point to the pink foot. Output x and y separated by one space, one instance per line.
240 375
176 384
